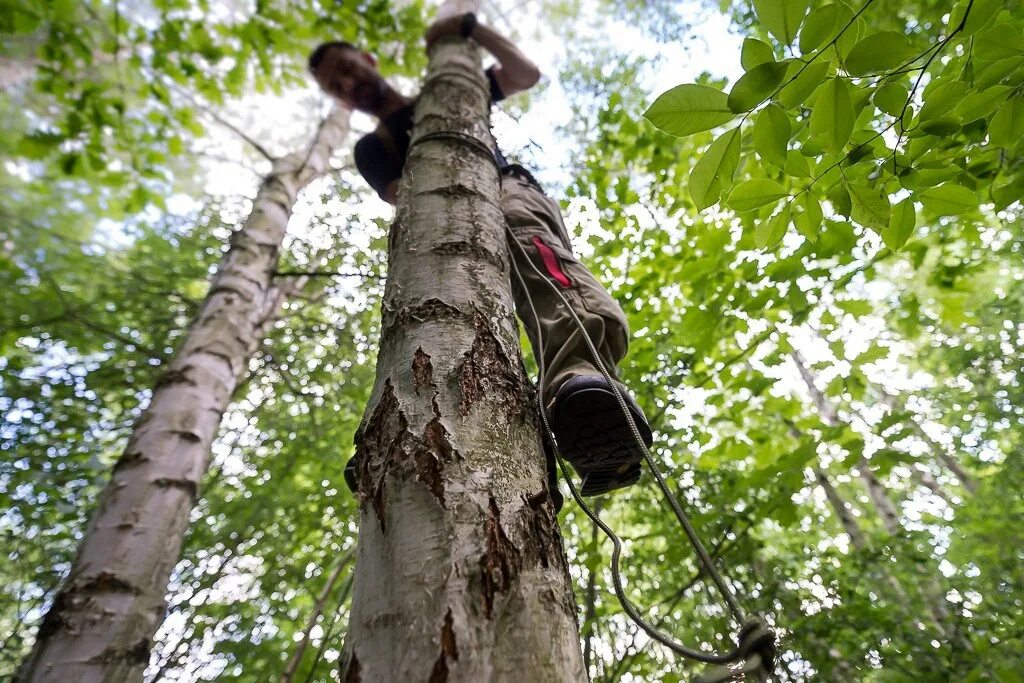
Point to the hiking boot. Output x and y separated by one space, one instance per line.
594 435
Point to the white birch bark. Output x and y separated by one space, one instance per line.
460 574
101 624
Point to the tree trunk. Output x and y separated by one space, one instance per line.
318 608
883 506
941 454
887 512
841 509
460 574
101 624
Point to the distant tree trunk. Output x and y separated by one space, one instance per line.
101 624
460 574
841 509
590 599
940 452
314 617
885 509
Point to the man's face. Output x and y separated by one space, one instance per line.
352 77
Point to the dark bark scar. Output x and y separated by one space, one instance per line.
449 650
422 370
500 562
487 373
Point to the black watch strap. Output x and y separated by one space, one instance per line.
468 24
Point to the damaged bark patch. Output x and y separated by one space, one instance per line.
500 562
387 444
375 446
431 310
474 251
187 485
449 650
544 544
433 452
486 373
422 370
172 377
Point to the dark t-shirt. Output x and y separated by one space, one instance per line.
380 163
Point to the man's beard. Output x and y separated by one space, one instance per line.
369 96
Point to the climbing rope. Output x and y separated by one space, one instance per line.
755 651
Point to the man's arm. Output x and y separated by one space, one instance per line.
514 72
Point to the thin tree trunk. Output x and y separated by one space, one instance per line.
460 575
883 506
841 509
940 452
314 617
101 624
924 478
886 511
590 599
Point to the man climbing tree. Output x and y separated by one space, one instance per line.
587 421
460 572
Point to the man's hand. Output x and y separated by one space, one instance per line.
514 73
452 26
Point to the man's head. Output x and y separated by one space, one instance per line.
349 74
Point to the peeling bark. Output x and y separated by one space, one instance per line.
461 575
101 624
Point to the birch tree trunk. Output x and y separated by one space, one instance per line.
887 512
101 624
460 574
941 454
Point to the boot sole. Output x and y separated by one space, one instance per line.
595 438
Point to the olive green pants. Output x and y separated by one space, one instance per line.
536 222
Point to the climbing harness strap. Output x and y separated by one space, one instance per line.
756 642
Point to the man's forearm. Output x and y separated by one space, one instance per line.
516 71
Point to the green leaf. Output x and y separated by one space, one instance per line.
756 85
755 52
878 52
839 197
949 199
941 98
781 17
796 165
1007 126
1003 41
809 219
982 12
943 126
713 172
869 206
771 134
768 233
801 86
978 105
755 193
832 117
891 98
819 27
688 109
901 224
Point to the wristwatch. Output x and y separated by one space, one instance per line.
468 24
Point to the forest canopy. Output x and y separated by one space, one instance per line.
809 210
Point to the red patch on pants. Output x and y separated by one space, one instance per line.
551 263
